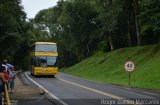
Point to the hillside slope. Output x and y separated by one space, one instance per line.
109 67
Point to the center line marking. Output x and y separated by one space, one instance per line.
97 91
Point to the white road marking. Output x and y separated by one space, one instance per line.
91 89
98 91
53 96
109 84
82 86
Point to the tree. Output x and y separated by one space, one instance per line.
12 18
109 12
149 21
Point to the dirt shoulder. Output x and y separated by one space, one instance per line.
27 95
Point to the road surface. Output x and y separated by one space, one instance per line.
77 91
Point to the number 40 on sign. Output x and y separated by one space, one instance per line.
129 66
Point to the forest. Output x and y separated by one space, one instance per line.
79 27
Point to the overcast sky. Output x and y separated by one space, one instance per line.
32 7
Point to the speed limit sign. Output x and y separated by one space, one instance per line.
129 66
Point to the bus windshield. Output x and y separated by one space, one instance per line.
46 48
43 61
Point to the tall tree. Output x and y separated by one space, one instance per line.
12 18
109 12
149 21
136 10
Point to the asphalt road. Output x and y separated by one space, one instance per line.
77 91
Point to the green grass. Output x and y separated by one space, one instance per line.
109 67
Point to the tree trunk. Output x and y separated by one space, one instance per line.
136 12
111 41
110 34
137 32
88 51
128 16
78 54
128 33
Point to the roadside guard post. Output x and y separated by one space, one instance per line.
129 66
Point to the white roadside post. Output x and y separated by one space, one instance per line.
129 67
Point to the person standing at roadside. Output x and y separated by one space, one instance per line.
9 73
6 71
11 81
9 66
2 81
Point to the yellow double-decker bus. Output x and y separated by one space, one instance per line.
43 59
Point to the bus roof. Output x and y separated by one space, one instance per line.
44 43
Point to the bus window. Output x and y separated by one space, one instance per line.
41 61
51 61
46 48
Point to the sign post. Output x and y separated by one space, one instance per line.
129 78
129 67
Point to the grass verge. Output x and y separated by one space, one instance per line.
109 67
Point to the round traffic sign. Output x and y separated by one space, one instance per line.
129 66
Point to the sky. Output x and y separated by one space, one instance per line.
32 7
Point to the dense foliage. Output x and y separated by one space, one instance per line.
79 27
16 34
